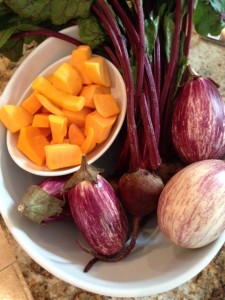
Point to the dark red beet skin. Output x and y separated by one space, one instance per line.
139 192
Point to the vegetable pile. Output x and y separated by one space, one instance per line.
175 122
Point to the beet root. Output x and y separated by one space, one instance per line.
139 192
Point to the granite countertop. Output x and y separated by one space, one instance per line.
35 282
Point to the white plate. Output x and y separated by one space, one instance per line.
155 266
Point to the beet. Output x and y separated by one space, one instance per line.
139 192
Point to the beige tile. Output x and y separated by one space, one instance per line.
7 256
11 286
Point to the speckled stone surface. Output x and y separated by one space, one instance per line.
207 59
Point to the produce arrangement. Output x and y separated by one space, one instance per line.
171 160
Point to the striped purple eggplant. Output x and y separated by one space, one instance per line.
191 208
198 121
98 213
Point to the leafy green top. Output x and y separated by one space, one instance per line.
24 16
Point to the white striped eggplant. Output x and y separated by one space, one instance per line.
198 121
97 212
191 208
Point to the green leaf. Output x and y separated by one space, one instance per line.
7 33
206 19
34 10
91 32
151 31
168 25
58 11
4 10
64 10
13 49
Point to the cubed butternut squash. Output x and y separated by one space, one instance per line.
101 126
106 105
31 103
15 117
60 156
89 143
49 78
46 131
41 120
77 117
49 106
59 98
58 127
76 135
97 70
78 57
31 142
67 79
88 91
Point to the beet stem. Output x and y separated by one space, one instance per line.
122 254
90 264
173 58
148 82
157 67
112 56
114 32
151 143
47 33
141 49
189 27
134 40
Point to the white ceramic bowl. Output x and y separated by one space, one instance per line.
118 90
155 265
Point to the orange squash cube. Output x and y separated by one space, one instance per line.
67 79
15 117
58 127
97 70
88 92
79 56
101 126
31 142
62 156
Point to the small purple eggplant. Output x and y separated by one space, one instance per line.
44 203
97 212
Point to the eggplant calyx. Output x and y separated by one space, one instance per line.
37 205
193 75
85 173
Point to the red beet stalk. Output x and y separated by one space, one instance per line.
145 79
47 33
105 15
